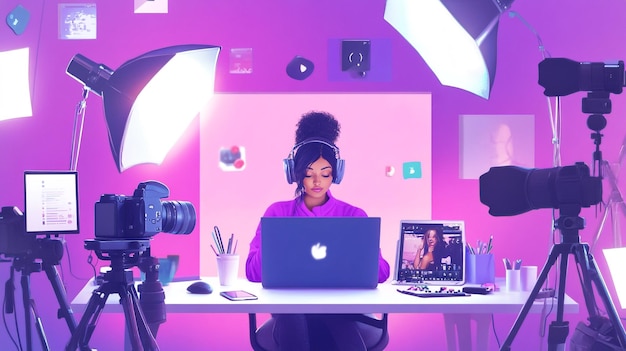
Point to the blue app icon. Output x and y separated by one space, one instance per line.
412 170
18 19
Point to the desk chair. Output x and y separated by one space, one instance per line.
373 330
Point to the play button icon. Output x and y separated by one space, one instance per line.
300 68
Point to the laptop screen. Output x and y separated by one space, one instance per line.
320 252
431 252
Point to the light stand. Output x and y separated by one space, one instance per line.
614 205
123 255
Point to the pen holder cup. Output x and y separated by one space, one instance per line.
528 277
481 269
227 269
513 280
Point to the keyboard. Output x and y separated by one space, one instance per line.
425 291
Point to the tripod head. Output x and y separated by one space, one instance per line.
125 254
597 104
570 223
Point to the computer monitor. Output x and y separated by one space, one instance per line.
51 202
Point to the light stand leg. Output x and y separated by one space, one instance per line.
617 233
605 214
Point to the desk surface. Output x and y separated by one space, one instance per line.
384 298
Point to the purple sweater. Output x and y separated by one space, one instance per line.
297 208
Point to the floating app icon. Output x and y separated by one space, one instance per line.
232 159
17 19
300 68
412 170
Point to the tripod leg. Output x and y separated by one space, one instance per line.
87 323
145 333
25 283
557 250
39 325
559 329
65 310
131 320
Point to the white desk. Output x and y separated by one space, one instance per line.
458 311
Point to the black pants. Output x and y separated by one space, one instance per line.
312 332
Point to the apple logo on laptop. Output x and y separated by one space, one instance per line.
318 251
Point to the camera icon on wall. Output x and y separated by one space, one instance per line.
232 159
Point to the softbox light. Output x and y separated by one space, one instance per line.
616 260
150 101
456 38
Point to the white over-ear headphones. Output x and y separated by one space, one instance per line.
288 163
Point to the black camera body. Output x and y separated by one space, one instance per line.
141 216
16 242
13 237
561 76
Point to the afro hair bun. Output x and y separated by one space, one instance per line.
317 125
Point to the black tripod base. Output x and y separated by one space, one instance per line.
120 282
557 335
598 336
590 279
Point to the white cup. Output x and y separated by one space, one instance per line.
513 280
528 277
227 268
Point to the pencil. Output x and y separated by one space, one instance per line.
230 243
217 243
220 243
212 248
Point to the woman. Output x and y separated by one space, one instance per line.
432 251
314 165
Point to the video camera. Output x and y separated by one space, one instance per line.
120 217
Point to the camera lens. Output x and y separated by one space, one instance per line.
179 217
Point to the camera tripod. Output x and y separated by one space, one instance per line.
119 280
569 225
52 252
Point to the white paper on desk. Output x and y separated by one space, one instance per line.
14 84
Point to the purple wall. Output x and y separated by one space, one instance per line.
278 30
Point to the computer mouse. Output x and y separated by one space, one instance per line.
200 287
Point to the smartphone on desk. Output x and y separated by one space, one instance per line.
238 295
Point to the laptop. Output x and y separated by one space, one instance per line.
320 252
431 252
